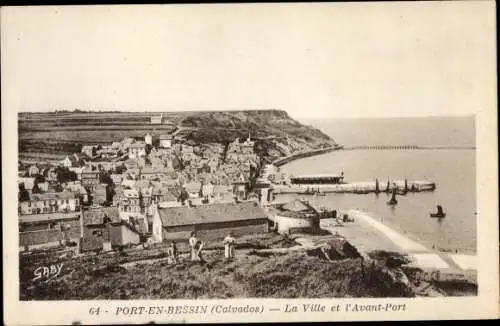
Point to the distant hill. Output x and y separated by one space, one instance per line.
275 133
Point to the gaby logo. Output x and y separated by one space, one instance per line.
47 273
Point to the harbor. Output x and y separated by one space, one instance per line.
360 187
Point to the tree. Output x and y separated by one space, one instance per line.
65 175
58 188
148 148
183 196
24 195
120 169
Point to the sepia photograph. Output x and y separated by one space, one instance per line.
225 152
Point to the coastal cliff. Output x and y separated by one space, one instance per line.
274 132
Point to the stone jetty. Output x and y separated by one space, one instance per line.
401 186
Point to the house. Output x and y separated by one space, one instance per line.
163 193
240 188
131 164
108 152
126 142
28 184
128 183
104 230
148 139
116 178
56 202
78 190
129 203
33 170
100 194
148 173
146 195
71 161
137 149
212 221
51 174
157 119
49 228
165 141
88 150
101 165
43 186
90 179
78 171
194 188
117 194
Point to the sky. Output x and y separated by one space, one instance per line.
312 60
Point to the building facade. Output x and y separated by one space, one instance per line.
57 202
212 221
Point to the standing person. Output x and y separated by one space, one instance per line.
229 242
193 241
173 251
199 247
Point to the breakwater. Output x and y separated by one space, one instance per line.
400 186
287 159
404 147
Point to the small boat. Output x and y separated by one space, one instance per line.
320 194
439 213
393 201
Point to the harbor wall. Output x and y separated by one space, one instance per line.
355 187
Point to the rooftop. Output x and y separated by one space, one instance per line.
130 193
96 215
211 213
48 217
53 195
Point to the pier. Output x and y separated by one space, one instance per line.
357 187
403 147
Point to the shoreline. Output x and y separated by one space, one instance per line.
290 158
422 256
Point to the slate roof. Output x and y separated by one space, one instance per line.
96 215
53 195
212 213
130 193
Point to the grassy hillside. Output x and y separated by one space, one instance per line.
253 273
274 131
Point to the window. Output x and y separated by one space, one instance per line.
97 233
29 204
76 201
67 201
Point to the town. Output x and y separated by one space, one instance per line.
163 199
132 184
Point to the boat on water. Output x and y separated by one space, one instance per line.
393 201
439 213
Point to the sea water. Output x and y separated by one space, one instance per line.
453 170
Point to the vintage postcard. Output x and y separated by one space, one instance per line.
249 163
